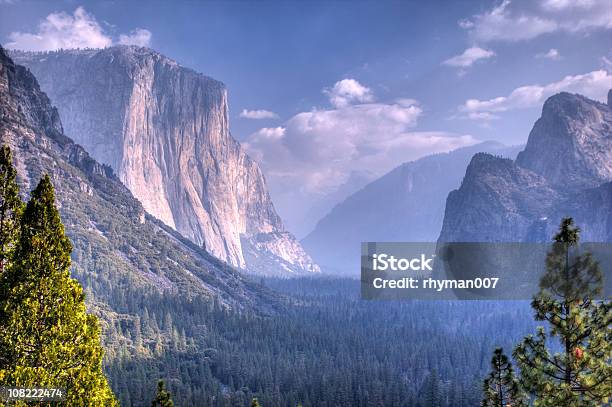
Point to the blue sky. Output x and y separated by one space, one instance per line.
332 89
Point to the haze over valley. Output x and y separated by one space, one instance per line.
194 181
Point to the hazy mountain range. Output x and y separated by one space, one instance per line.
407 204
164 129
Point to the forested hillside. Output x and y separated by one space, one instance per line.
326 348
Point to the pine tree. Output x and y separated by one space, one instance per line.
255 403
431 388
51 339
11 208
581 375
501 388
163 398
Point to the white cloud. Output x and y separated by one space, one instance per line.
593 84
506 22
482 116
500 24
465 24
138 36
551 54
348 91
77 30
315 152
469 57
560 5
258 114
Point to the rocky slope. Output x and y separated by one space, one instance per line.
564 170
164 129
407 204
117 246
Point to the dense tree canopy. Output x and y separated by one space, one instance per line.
47 336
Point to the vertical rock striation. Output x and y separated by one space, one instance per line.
164 129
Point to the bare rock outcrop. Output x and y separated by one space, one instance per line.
564 170
164 129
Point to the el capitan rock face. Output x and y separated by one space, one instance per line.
164 129
564 170
112 238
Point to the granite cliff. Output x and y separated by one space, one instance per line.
564 170
108 227
164 130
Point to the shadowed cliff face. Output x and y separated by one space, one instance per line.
564 170
164 129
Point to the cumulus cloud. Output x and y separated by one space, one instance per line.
505 22
551 54
348 91
469 57
138 36
77 30
318 150
593 84
258 114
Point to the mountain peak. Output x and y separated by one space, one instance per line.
563 171
571 143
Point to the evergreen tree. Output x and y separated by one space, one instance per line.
581 375
501 388
255 403
50 338
431 389
163 398
11 208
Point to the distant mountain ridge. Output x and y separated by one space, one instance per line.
564 170
406 204
164 129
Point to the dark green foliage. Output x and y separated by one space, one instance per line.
162 398
581 374
49 338
501 388
326 348
11 206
